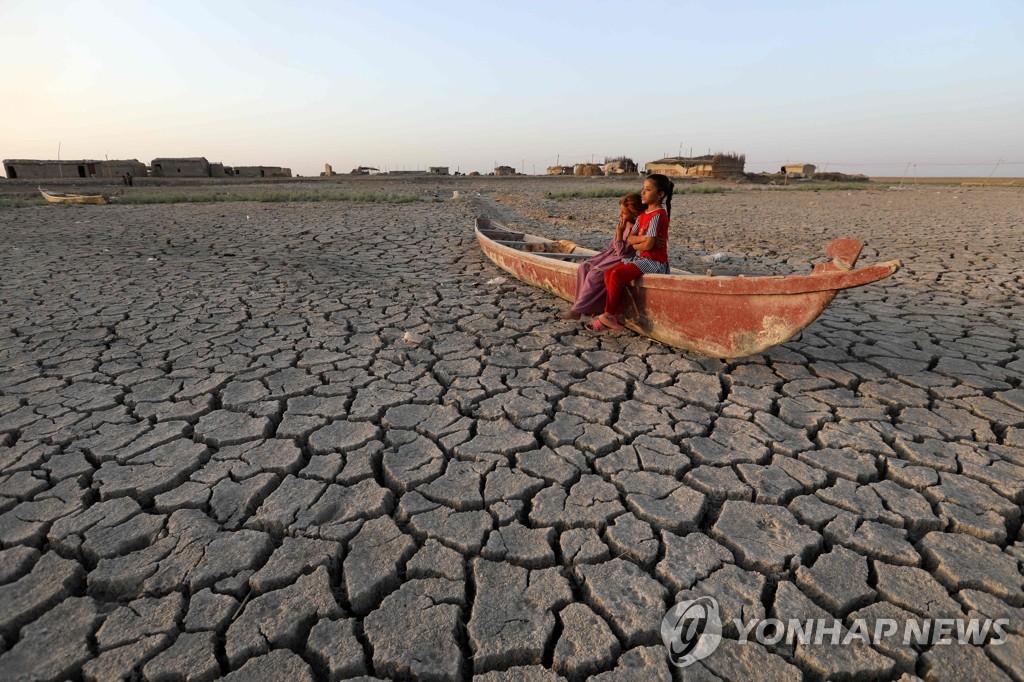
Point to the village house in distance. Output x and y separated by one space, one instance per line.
621 165
29 169
799 170
193 167
199 167
720 165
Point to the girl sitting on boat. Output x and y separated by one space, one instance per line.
590 293
651 244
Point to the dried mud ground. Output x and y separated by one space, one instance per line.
331 440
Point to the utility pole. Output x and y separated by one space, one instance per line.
905 173
995 168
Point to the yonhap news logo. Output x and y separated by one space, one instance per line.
691 630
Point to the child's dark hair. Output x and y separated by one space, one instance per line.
663 184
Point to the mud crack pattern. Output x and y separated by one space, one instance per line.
322 442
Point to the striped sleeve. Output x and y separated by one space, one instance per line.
652 227
649 266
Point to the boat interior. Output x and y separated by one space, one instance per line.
562 248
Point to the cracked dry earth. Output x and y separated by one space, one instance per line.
317 441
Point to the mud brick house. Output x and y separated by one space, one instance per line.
263 172
31 169
718 165
588 169
620 166
799 170
195 167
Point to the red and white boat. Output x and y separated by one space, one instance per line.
721 316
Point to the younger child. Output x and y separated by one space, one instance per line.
651 244
590 293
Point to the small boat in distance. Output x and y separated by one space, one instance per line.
63 198
720 316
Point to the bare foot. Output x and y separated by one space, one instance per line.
568 315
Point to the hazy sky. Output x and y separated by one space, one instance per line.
864 86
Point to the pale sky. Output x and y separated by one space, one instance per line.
863 86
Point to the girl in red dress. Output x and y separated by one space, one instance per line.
590 298
651 243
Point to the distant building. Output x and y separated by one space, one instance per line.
505 170
588 169
199 167
117 168
559 170
364 170
30 169
718 165
263 172
192 167
438 170
798 170
620 166
218 170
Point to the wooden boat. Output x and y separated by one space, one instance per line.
721 316
62 198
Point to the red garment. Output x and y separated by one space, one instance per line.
615 280
654 224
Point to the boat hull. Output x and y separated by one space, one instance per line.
725 317
62 198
